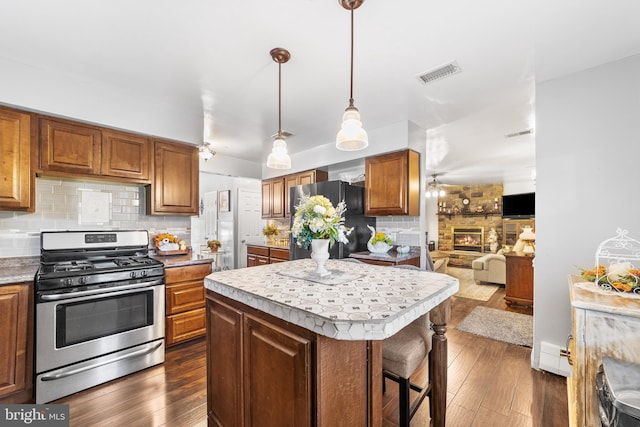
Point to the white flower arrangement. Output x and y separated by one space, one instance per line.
316 218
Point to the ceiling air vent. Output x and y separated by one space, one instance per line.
521 133
440 72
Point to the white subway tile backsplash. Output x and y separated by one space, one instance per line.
58 208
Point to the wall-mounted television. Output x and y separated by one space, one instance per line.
519 205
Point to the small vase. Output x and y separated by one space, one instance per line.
320 254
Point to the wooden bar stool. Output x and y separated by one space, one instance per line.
402 353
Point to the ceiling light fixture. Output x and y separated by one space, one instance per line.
351 136
434 188
205 151
279 159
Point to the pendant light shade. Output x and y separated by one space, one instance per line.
351 136
279 158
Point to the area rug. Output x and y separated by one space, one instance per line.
513 328
468 286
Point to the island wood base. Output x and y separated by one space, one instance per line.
265 371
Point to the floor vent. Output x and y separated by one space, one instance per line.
440 72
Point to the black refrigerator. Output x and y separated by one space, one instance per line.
336 191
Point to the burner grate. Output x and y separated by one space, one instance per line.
73 266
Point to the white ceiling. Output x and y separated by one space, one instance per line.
212 56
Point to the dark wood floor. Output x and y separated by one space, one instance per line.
490 383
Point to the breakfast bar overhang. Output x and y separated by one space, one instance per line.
286 348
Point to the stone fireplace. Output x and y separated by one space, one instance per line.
468 238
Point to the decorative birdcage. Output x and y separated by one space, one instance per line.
616 261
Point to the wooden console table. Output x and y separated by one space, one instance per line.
519 286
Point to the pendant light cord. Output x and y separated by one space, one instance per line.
279 99
351 89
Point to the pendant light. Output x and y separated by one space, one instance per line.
351 136
279 159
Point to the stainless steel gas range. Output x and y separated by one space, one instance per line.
100 306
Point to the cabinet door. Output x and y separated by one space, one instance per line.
185 326
69 147
289 181
17 186
126 155
277 198
15 366
266 199
224 365
519 275
392 183
174 190
277 375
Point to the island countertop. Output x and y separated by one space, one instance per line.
365 302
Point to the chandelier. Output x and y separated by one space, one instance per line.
205 151
279 158
351 136
434 188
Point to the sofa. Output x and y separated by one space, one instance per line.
491 268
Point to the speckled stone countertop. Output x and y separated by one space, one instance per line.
267 245
391 256
589 296
191 258
373 303
18 270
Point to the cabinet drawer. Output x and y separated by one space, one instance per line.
258 250
281 254
190 272
185 326
184 296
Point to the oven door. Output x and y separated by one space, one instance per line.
75 327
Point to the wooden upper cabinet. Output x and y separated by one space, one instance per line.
392 184
275 191
126 155
17 183
70 148
273 198
174 190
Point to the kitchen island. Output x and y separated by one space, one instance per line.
287 348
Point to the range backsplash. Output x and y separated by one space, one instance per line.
58 207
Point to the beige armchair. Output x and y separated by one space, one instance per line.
490 268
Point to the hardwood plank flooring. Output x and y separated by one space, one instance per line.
490 383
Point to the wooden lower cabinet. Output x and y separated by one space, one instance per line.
16 343
185 302
265 371
261 255
519 286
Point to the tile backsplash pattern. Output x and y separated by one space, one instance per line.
58 207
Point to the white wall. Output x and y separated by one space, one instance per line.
587 161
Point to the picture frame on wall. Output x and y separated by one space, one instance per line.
224 204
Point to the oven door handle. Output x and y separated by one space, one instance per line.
103 291
70 372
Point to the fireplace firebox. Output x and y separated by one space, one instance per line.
468 238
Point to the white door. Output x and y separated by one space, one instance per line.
250 222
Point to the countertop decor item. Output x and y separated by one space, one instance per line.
166 242
214 245
621 274
379 243
319 224
316 218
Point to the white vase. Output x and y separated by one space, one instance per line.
320 254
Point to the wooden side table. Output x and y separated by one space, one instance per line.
519 286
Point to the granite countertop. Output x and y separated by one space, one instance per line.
371 302
268 245
392 255
191 258
18 270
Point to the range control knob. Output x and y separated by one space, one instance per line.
144 273
68 281
82 280
132 274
